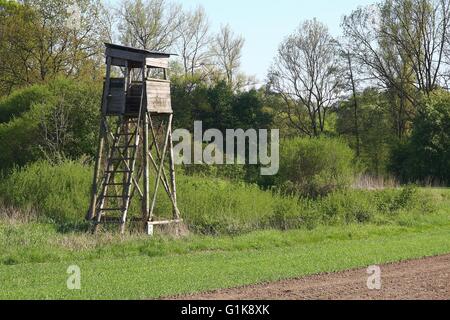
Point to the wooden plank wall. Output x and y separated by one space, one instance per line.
158 96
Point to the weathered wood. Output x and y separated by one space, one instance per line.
157 62
146 200
106 85
164 179
126 161
128 189
176 212
125 55
101 143
161 165
159 223
158 96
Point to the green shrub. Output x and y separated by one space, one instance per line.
17 141
214 206
232 172
57 192
22 100
315 167
59 119
360 206
346 207
287 214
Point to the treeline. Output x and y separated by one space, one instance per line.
382 86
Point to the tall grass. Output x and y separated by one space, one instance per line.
211 206
57 192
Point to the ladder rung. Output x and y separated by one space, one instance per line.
117 184
118 197
121 159
106 219
125 147
130 134
109 222
112 209
118 171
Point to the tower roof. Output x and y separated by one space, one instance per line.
136 50
134 57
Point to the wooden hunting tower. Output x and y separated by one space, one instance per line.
135 137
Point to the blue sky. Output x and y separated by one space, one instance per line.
265 23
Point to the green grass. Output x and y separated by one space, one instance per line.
225 262
239 235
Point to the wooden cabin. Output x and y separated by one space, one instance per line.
146 81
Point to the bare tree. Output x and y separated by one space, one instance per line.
227 51
306 74
149 24
402 43
107 23
193 40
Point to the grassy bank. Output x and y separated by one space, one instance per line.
59 195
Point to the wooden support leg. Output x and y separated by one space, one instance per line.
146 200
160 169
164 179
176 212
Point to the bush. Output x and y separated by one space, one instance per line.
315 167
22 100
359 206
58 119
346 207
56 192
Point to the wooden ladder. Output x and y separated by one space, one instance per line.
118 178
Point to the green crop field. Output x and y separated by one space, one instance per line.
202 264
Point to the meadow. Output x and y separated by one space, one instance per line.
238 235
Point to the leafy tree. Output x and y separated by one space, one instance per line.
218 106
315 167
400 45
373 130
249 111
426 156
64 124
41 40
192 43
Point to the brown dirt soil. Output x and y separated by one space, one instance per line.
422 279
